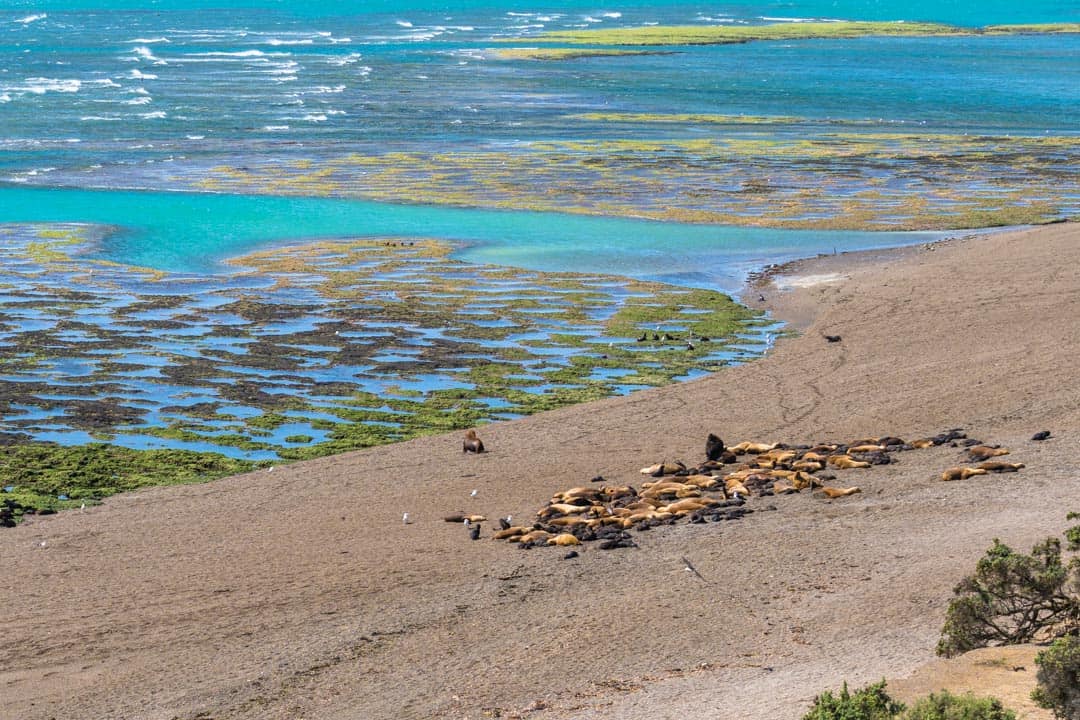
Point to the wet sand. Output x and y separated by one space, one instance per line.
223 601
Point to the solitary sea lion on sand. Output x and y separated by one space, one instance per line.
996 466
472 443
463 517
961 473
1041 435
832 492
832 338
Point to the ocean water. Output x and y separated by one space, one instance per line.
127 95
113 113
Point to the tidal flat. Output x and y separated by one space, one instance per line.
761 171
119 377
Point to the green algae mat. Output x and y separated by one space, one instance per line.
117 377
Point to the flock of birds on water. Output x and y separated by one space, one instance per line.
716 489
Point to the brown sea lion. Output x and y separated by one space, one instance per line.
833 492
663 468
961 473
865 448
753 448
997 466
922 443
843 462
985 452
510 532
564 540
561 509
472 443
462 517
782 487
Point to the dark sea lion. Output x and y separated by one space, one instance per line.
474 532
1041 435
833 338
472 443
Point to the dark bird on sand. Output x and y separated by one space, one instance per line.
474 531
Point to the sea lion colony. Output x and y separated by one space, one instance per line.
718 488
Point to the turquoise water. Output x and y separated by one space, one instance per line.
194 233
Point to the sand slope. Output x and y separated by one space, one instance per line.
299 593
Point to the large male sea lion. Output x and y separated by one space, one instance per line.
472 443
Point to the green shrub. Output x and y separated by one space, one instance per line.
869 703
946 706
1013 598
1059 678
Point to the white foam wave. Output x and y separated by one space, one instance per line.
326 90
314 117
137 74
195 137
612 15
403 23
275 128
40 86
238 54
154 115
144 100
141 52
5 98
149 41
100 118
346 60
790 19
31 18
278 41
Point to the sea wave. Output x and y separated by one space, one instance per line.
31 18
41 85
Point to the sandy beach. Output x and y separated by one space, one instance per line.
220 601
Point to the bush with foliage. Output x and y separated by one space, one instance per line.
1014 598
873 703
1059 678
946 706
869 703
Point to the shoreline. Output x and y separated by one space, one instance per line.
221 599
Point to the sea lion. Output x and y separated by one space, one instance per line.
474 532
663 468
781 487
922 443
567 521
464 517
706 482
961 473
997 466
833 492
563 540
807 465
1041 435
843 462
561 509
985 452
472 443
510 533
754 448
714 447
866 448
832 338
